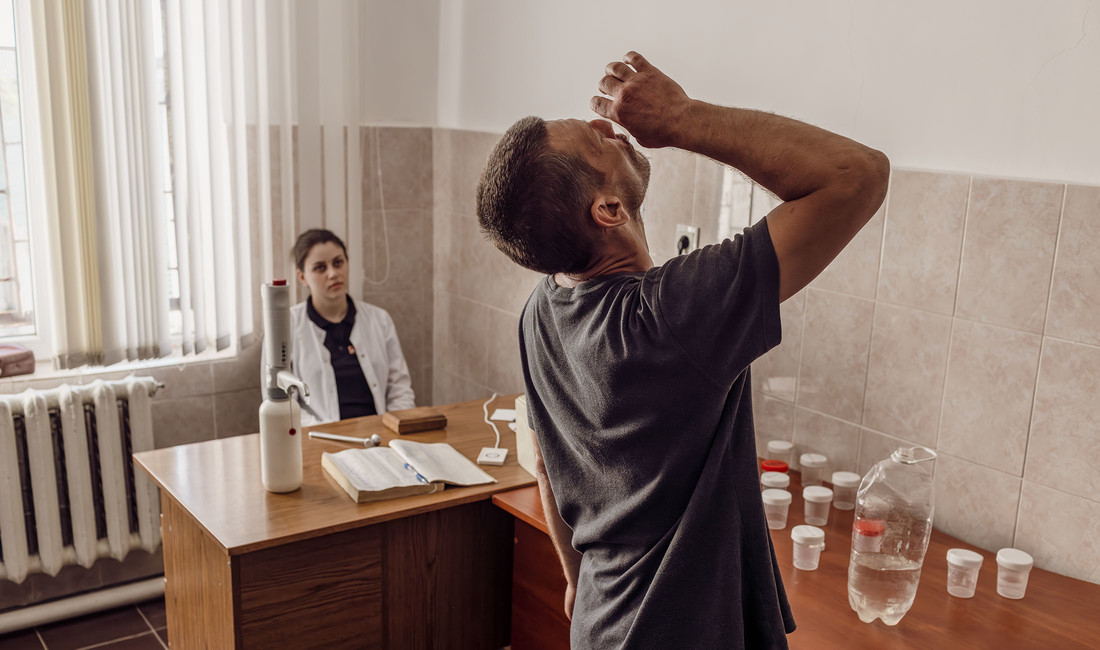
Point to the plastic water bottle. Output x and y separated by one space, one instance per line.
893 521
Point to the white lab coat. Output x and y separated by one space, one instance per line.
380 357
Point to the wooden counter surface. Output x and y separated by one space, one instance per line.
218 481
1057 612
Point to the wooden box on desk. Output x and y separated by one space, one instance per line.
414 420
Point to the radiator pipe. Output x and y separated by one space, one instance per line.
95 601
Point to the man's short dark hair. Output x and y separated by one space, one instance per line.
533 202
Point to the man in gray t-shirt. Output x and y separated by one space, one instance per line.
638 376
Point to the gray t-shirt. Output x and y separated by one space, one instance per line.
638 389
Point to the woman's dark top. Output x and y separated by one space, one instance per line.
356 400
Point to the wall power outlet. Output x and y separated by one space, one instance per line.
687 239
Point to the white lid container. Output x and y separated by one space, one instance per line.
1014 559
780 447
812 460
965 558
809 535
846 479
775 480
774 497
817 494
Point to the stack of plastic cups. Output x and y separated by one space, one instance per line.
816 500
776 504
809 541
1013 567
813 468
844 490
962 572
780 450
776 480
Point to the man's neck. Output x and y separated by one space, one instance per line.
333 311
640 261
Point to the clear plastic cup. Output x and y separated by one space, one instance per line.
780 450
962 572
813 468
777 480
845 485
776 504
815 501
1013 567
809 542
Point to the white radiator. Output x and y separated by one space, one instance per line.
68 490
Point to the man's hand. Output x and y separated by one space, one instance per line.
643 100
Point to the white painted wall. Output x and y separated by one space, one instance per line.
997 87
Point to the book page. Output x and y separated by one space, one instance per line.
438 461
374 469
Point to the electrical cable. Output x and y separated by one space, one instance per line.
385 230
485 410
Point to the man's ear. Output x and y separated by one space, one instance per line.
608 211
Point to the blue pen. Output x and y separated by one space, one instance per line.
418 476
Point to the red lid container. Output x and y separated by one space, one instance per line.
773 466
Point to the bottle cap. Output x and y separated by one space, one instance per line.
964 558
774 466
869 527
807 535
817 494
812 460
779 447
776 497
279 283
775 480
1014 559
846 479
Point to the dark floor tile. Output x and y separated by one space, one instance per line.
162 634
154 611
144 642
22 640
93 628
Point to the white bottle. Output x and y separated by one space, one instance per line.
281 444
893 521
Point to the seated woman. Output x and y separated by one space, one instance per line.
345 350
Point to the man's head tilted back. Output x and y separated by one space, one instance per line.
535 201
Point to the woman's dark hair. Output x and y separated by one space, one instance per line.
309 239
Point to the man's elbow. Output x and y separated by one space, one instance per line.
865 181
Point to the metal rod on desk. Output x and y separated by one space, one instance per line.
373 441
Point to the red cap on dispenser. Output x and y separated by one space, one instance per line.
278 283
773 466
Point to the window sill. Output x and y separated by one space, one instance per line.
88 374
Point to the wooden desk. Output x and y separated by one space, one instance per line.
246 568
1057 612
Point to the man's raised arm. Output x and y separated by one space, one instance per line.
831 186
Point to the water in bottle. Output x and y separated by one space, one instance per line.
893 522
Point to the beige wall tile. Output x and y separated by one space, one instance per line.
708 198
237 413
988 393
411 318
855 270
464 344
1008 252
443 353
670 198
371 180
401 252
976 504
187 379
505 373
1075 291
239 373
446 250
905 374
776 373
450 388
183 421
923 231
469 151
406 168
1061 531
875 446
422 385
838 440
835 341
773 419
1064 448
477 260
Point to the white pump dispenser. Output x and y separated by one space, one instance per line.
280 415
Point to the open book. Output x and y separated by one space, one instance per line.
402 469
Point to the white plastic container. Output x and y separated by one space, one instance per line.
816 500
776 505
813 468
1013 568
844 490
780 450
280 445
809 542
775 480
962 572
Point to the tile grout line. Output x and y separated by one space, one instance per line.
110 642
40 639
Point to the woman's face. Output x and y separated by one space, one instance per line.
325 272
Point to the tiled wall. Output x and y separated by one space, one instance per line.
963 318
